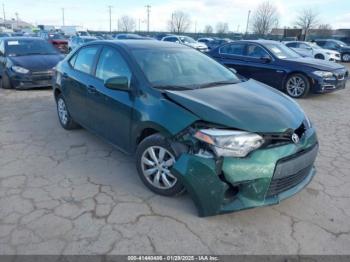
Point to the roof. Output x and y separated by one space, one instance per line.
21 38
141 44
260 41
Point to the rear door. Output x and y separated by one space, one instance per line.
232 56
75 82
110 111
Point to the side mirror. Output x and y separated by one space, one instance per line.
233 70
177 41
118 83
266 58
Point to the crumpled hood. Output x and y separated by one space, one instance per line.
317 64
250 106
37 62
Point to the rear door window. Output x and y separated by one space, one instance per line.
233 49
85 59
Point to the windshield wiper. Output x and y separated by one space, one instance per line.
218 83
172 87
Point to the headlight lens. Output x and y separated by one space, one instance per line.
19 69
323 74
230 143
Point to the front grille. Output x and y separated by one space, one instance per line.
291 171
278 186
42 75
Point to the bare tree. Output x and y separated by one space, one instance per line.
180 22
208 29
265 17
325 30
127 23
222 28
307 20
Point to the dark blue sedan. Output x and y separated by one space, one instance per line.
278 66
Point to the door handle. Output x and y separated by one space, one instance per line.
91 89
65 75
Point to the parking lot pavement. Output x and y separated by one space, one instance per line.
71 193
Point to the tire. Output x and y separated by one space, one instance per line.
345 57
5 82
153 169
319 56
64 117
297 86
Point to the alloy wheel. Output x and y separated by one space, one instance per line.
346 57
296 86
62 111
156 162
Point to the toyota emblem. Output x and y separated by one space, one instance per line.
295 138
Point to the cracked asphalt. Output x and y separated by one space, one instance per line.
72 193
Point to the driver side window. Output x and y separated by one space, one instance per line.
256 51
111 64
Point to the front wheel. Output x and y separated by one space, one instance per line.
64 117
346 57
297 86
154 159
319 56
5 82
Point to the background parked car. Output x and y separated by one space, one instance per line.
57 40
205 40
186 40
278 66
336 45
130 36
313 50
76 41
217 42
27 62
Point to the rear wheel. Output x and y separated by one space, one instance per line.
5 82
297 86
64 117
155 158
346 57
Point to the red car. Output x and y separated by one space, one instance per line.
57 40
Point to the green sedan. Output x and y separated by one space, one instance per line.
193 124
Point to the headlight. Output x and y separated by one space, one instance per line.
323 74
230 143
20 70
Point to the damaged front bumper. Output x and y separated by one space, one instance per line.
265 177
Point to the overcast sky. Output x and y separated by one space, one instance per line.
93 14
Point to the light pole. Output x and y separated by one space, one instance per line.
3 11
63 16
148 10
16 14
246 30
110 18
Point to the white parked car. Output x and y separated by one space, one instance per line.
186 40
308 49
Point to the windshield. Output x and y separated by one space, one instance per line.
281 51
341 43
175 68
29 46
187 39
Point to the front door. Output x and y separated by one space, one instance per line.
110 111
